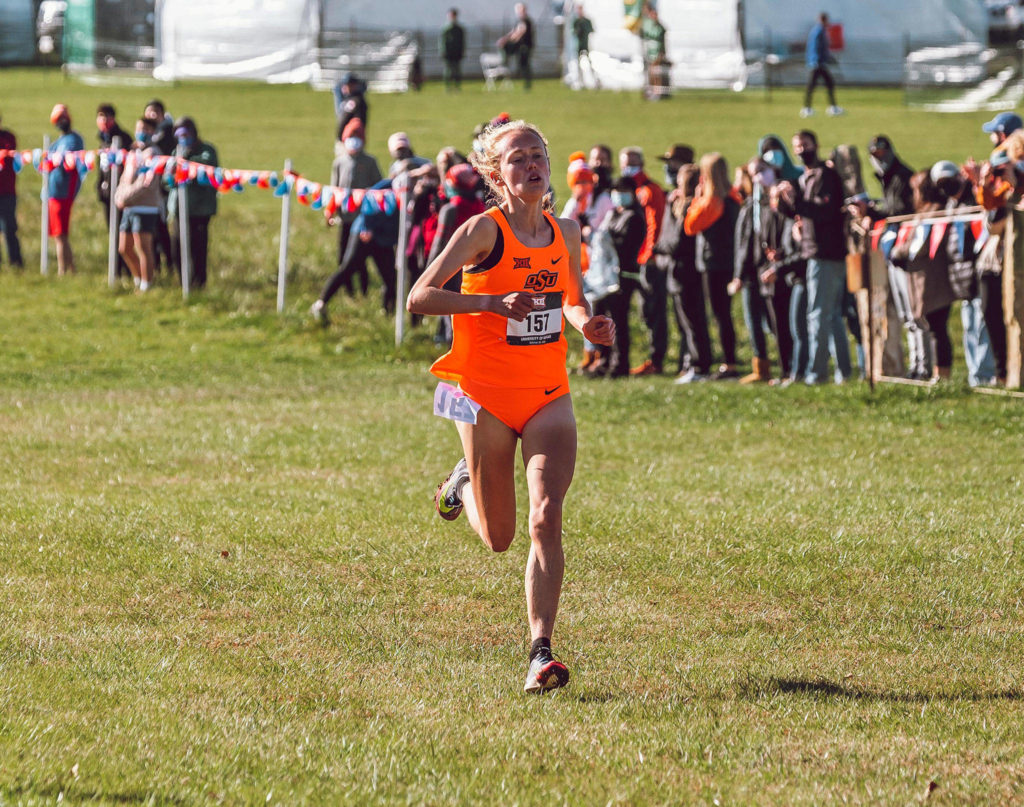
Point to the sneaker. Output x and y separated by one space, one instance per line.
647 368
691 376
545 673
836 111
319 312
806 112
448 499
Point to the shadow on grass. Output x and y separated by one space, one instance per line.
79 794
823 689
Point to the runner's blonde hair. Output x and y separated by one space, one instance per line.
487 161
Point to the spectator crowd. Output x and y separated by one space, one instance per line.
685 239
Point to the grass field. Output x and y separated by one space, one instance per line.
223 581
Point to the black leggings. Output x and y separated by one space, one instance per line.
990 290
938 322
721 309
812 82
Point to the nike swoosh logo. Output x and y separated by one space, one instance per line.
549 391
556 260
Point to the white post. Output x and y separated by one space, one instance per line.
184 245
44 246
282 258
115 146
402 197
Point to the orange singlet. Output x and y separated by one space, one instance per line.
512 369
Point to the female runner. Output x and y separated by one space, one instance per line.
520 276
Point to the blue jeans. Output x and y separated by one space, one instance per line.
798 326
826 330
9 224
978 355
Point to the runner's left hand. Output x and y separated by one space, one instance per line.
600 330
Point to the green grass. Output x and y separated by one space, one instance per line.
223 580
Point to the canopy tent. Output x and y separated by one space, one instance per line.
17 31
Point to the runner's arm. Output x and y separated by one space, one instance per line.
598 329
472 243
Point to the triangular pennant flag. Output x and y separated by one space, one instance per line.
935 241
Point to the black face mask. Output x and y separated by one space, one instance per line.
809 157
64 125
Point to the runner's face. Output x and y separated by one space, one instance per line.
524 166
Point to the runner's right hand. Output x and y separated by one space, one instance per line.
515 306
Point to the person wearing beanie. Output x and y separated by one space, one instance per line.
63 184
353 169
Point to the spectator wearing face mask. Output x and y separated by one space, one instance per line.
353 169
202 203
817 202
651 198
400 149
627 229
766 299
109 130
1002 126
63 184
897 200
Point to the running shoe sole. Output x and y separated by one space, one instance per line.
553 675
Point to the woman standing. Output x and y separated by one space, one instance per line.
521 276
138 196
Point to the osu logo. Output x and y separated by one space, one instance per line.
520 263
541 280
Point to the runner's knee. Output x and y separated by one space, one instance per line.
546 520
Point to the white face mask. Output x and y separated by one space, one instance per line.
631 170
354 143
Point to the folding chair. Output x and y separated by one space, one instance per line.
494 68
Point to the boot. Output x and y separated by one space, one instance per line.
762 371
589 357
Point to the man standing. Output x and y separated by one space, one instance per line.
108 131
818 59
350 101
674 159
63 184
402 155
519 43
652 40
164 143
1002 126
818 205
9 200
453 50
202 203
581 29
651 199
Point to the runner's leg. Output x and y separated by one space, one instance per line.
490 497
549 453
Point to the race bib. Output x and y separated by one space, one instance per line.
454 404
541 326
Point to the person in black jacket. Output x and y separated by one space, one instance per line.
350 102
676 254
518 44
628 229
452 47
760 248
818 206
108 131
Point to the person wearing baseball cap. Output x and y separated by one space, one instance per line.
1002 126
674 159
63 184
401 152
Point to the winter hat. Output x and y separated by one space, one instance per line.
462 177
59 111
579 171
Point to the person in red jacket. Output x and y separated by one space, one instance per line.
9 199
651 199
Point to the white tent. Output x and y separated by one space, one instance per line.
273 40
725 42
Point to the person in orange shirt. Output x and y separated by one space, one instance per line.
651 198
520 277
